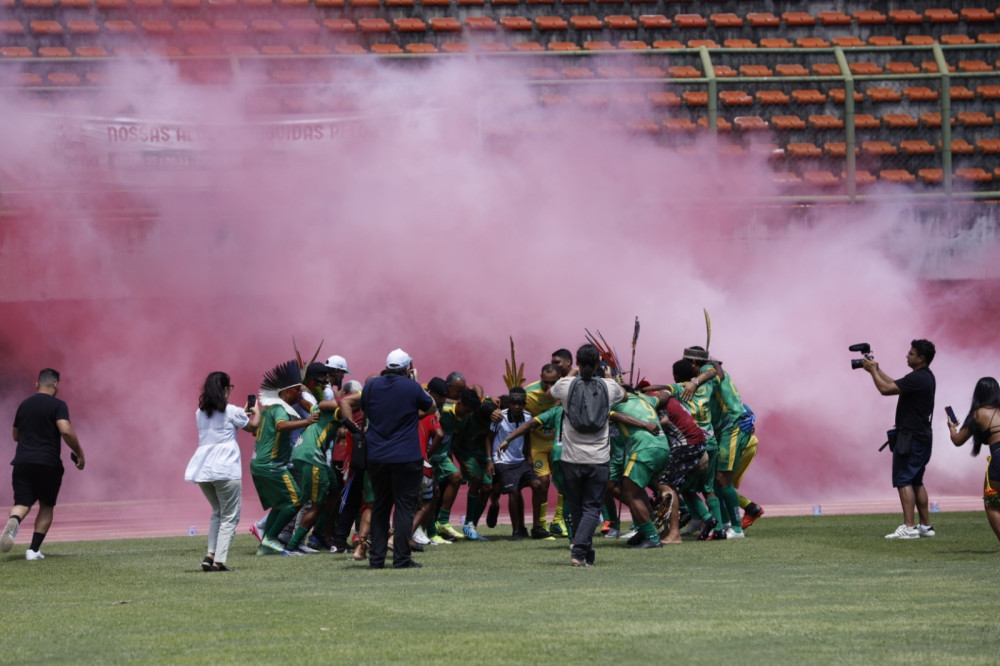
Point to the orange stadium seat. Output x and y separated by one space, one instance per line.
900 121
826 69
696 21
961 147
54 52
973 175
785 179
721 124
919 40
735 98
633 45
649 72
654 21
421 48
837 149
277 50
586 22
374 25
799 19
230 26
698 43
957 40
905 16
917 147
763 20
64 79
684 72
726 20
821 178
901 68
551 23
974 119
808 96
445 24
848 42
16 52
869 17
695 98
163 28
643 126
862 177
803 150
563 46
787 123
756 70
884 40
961 94
197 27
598 46
866 121
267 26
988 92
724 71
46 27
679 125
977 15
834 18
663 99
91 52
147 4
897 176
337 25
974 66
12 28
863 68
920 94
515 23
988 146
621 22
480 23
667 44
812 43
883 95
791 70
776 43
772 97
739 44
314 49
750 123
592 100
455 47
839 95
825 122
527 47
931 176
941 16
386 49
297 25
409 25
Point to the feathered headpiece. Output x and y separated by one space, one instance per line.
277 379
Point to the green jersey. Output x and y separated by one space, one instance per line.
642 407
451 424
273 449
317 439
471 438
699 406
727 405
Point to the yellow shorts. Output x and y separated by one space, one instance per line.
540 450
746 457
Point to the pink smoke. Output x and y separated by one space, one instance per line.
445 214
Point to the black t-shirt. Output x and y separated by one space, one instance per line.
916 402
38 438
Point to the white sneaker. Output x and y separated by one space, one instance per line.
628 535
9 532
926 530
733 534
307 550
33 555
420 537
904 532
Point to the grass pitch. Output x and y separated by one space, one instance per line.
824 589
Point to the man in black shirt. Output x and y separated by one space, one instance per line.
41 421
912 449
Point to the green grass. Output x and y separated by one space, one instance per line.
799 590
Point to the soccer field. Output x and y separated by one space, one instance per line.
824 589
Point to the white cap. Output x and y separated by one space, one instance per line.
337 363
396 359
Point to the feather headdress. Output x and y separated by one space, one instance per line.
277 379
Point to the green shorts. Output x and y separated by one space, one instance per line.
368 491
474 467
314 481
731 445
645 464
616 464
443 467
277 490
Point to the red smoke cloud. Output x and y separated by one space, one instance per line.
168 233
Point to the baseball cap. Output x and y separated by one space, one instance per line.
396 359
337 363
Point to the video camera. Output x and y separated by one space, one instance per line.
865 350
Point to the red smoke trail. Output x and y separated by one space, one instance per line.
405 229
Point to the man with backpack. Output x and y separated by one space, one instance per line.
587 399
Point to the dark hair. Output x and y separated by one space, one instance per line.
518 392
924 348
548 367
587 359
986 394
213 394
683 370
469 398
563 353
48 377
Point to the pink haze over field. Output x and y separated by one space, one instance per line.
404 229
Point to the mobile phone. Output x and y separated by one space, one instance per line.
951 414
251 401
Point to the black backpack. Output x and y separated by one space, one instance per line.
587 405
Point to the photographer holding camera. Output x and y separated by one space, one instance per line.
911 446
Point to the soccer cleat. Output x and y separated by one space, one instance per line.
9 532
446 530
492 514
290 553
306 550
926 530
256 532
613 533
272 546
338 550
707 528
693 527
628 535
750 514
904 532
733 534
539 532
648 543
606 527
318 543
420 537
438 540
635 540
717 535
33 555
557 529
469 530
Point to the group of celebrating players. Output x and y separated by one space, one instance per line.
679 452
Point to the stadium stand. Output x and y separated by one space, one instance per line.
813 80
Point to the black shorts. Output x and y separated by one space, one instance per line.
682 461
36 483
514 477
908 468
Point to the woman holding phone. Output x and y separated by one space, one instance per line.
982 424
216 466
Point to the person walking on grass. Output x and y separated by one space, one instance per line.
587 400
39 424
216 466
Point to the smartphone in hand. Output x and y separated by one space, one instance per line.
251 401
951 414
